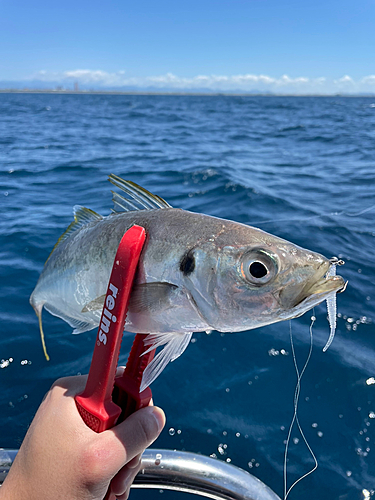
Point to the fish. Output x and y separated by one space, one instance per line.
196 273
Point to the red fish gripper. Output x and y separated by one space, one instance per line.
107 400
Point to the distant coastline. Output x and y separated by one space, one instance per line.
172 93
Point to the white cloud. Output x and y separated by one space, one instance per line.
345 79
244 82
241 82
370 80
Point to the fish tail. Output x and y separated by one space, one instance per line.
38 308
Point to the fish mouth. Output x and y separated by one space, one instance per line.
313 294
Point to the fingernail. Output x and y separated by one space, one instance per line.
159 416
120 370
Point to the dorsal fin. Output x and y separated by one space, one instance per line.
82 216
140 198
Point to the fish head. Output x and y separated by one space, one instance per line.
257 279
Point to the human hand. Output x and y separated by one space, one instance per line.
62 458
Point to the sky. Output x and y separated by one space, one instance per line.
283 46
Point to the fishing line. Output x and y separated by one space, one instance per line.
295 415
356 214
304 219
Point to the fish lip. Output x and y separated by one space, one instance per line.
315 293
321 284
325 286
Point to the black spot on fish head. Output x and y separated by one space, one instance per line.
187 264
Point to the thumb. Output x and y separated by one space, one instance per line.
139 430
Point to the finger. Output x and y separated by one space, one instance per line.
140 430
134 462
137 432
122 482
120 371
70 386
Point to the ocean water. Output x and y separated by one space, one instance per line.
302 168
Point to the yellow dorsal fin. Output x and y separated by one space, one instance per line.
138 198
82 216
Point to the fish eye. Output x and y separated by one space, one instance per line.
258 270
258 267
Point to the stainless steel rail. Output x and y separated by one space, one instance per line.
6 459
187 472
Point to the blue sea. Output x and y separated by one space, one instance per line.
302 168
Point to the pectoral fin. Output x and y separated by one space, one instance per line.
152 297
144 297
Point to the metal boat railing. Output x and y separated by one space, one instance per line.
187 472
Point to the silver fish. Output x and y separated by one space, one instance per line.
196 273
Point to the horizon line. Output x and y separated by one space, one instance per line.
181 93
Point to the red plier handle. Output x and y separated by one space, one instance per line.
107 400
